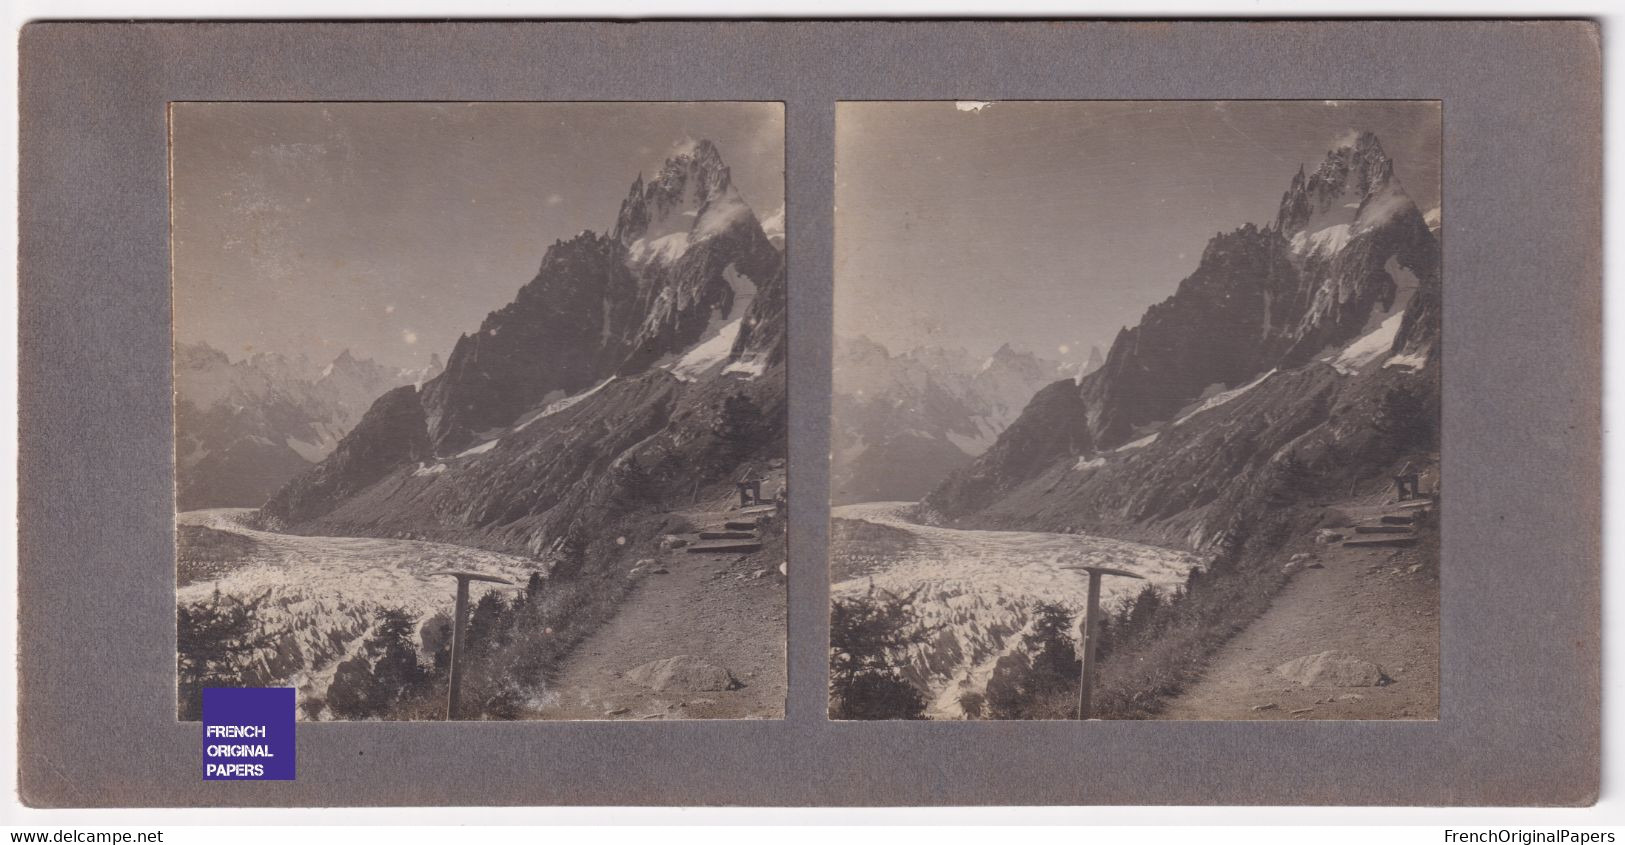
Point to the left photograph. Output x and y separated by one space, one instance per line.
480 408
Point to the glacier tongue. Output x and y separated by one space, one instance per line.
977 588
324 593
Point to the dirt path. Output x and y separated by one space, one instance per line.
705 606
1380 605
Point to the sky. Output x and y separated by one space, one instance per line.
1051 225
391 228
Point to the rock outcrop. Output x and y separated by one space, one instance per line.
1332 669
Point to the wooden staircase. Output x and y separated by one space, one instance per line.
741 534
1394 528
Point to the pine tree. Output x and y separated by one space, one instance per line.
867 635
1046 665
383 673
216 641
489 624
1055 665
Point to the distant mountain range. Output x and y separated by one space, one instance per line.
244 428
903 422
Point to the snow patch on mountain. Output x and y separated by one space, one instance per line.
773 228
566 403
666 249
716 342
1138 444
1324 241
1221 398
749 367
1367 348
480 449
1411 361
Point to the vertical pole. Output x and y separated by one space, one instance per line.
1091 634
456 685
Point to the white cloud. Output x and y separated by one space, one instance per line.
554 199
409 336
389 309
971 105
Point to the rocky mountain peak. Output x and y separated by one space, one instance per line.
1352 173
693 178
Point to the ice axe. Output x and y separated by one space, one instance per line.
1091 630
456 683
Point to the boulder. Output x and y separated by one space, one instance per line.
672 541
683 673
1334 669
1326 536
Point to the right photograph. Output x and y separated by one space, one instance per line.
1135 410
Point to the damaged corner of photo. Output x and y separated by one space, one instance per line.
1136 410
480 408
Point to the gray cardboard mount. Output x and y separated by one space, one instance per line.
1521 573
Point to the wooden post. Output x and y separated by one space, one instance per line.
460 621
1091 632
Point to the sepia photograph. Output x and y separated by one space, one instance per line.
480 408
1136 410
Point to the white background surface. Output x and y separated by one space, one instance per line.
1610 811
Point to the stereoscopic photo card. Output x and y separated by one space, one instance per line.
809 413
480 408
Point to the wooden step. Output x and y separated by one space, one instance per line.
1399 519
1378 529
725 546
1412 505
728 535
740 525
1382 540
756 509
